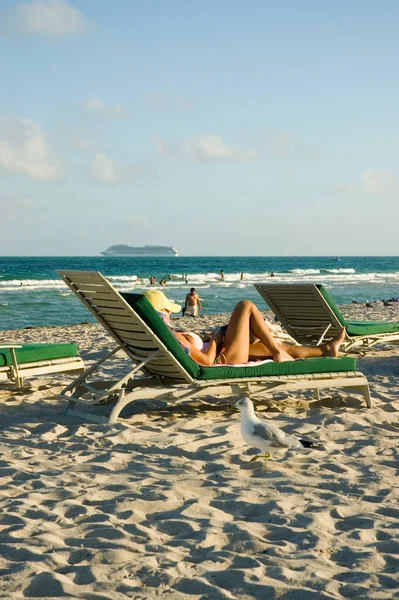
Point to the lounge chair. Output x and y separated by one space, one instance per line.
308 313
19 361
162 369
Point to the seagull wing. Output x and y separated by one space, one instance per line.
271 434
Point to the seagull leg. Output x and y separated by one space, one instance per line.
266 456
254 458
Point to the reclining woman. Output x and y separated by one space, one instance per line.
234 345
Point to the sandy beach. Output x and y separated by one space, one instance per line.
167 504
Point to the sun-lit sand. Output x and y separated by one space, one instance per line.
167 503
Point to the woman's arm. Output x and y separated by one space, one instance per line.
206 358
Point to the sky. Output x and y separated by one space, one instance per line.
220 127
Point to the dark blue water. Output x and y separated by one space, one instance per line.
43 299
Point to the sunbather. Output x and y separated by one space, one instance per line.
234 346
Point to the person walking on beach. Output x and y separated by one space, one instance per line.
193 303
232 345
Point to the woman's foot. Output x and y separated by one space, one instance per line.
332 347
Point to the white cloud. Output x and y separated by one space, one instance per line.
107 170
25 149
372 182
212 148
45 17
97 106
379 182
104 169
206 148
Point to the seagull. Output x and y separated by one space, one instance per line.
263 435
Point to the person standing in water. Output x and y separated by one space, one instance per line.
193 303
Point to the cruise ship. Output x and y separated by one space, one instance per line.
140 251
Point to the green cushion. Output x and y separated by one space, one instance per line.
371 327
38 352
305 366
359 327
147 312
143 308
332 305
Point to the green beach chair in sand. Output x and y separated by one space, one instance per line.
161 368
308 313
20 361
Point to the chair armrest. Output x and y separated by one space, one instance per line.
312 327
321 328
9 346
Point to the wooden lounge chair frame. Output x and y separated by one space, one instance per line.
17 372
306 315
164 376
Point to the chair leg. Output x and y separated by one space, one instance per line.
70 406
16 376
364 389
367 396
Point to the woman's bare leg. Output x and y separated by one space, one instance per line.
259 351
247 319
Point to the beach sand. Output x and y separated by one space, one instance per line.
168 505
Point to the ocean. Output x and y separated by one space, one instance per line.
32 294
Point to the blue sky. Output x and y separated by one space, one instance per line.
218 127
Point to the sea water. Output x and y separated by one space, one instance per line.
32 294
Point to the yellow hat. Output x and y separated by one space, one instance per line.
159 301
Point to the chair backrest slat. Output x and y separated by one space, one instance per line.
302 310
123 323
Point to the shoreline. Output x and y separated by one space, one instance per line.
43 299
355 312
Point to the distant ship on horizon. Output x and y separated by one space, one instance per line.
140 251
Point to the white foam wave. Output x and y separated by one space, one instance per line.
131 278
32 284
340 270
127 283
305 271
